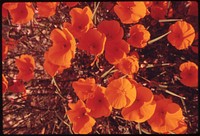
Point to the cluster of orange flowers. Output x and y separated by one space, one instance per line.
23 12
59 56
137 103
25 64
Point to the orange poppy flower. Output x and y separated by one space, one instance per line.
18 87
21 12
46 9
189 74
53 69
182 35
116 50
4 84
81 21
128 65
139 36
98 103
71 4
84 87
181 129
167 115
26 66
143 107
79 117
193 8
158 10
112 30
94 44
120 93
63 49
4 49
130 12
63 40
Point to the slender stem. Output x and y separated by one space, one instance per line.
171 93
184 106
108 127
144 78
124 76
95 10
107 72
139 128
169 20
96 60
163 87
159 65
158 38
57 88
145 131
98 132
168 8
114 71
64 123
55 84
97 63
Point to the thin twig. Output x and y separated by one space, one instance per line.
58 89
163 87
184 106
139 128
108 127
65 123
107 72
158 38
176 95
169 20
95 10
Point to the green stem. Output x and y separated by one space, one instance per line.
64 122
95 10
144 131
158 38
113 71
168 8
164 87
53 81
176 95
159 65
107 72
124 76
169 20
108 127
139 128
184 106
144 78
